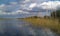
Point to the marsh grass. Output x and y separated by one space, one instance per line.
53 24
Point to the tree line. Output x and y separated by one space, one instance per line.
56 14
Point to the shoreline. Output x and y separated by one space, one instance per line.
54 25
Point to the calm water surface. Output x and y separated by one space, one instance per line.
15 27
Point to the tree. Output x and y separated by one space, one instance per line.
35 17
56 14
53 14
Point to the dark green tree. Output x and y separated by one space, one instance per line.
53 14
56 14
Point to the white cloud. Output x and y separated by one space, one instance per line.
2 5
26 1
27 6
23 12
1 12
50 5
45 5
32 5
13 13
13 8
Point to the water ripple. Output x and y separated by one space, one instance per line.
21 28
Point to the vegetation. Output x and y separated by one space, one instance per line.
47 21
56 14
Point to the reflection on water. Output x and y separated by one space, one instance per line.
15 27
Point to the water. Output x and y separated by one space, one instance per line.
15 27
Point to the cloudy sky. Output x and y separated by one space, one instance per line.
25 8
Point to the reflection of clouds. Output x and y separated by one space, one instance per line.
14 27
48 32
32 31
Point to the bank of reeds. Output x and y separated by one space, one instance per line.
53 24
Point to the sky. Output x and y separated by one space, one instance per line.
26 8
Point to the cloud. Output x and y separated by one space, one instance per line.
26 6
1 12
26 1
46 5
50 5
32 5
2 5
42 7
11 9
13 13
21 11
